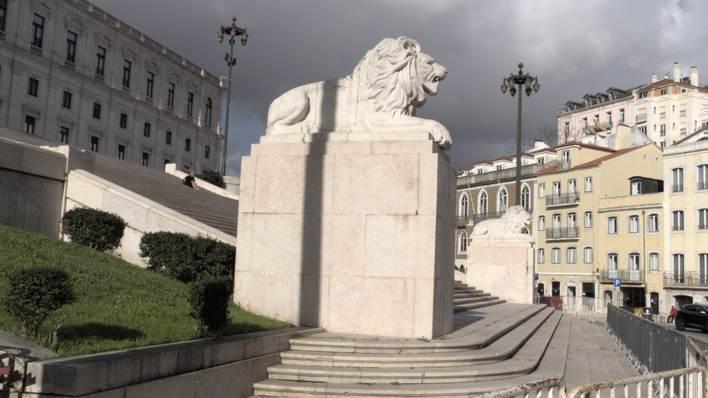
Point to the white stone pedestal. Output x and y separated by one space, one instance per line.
350 232
504 268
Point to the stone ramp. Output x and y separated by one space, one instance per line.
209 208
493 347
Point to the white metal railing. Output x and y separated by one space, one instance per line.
549 388
680 383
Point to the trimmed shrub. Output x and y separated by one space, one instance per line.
213 177
209 298
93 228
35 293
186 258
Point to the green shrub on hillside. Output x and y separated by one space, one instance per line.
209 298
93 228
186 258
35 293
213 177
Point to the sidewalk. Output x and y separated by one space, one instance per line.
593 356
24 349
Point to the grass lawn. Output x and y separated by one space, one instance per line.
118 305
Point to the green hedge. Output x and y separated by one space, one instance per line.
93 228
35 293
187 258
213 177
209 298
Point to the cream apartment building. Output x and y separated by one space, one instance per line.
686 256
576 196
70 73
666 110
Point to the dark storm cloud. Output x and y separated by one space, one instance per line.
573 46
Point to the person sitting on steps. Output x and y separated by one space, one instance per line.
190 181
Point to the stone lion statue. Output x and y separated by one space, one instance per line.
381 95
514 224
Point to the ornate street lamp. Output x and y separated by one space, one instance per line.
529 84
232 31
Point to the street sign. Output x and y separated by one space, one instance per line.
618 282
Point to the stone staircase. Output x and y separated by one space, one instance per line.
495 345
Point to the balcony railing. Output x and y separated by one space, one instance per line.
701 185
562 233
688 279
476 218
497 175
562 200
625 275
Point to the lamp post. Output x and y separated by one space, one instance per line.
529 84
232 31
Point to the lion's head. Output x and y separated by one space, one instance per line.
397 75
517 220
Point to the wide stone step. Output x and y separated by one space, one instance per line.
499 350
471 300
476 335
473 306
474 293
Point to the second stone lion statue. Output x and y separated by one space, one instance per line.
381 95
514 224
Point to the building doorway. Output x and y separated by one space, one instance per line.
571 295
540 288
682 300
555 289
654 302
607 297
589 295
633 297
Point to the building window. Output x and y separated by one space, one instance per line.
703 268
677 218
503 200
541 190
635 188
3 14
66 100
679 268
30 122
556 221
702 171
127 68
540 256
94 143
572 220
609 119
612 225
124 121
63 135
208 112
653 261
168 137
634 262
121 152
662 130
541 223
150 84
97 111
571 255
621 115
633 224
37 31
146 129
190 104
643 129
187 145
171 96
207 150
643 94
462 243
587 255
483 203
146 159
71 39
612 262
588 184
526 198
653 222
565 160
100 61
588 219
463 209
556 255
33 87
677 180
703 219
572 186
556 188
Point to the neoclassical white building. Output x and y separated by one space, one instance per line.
71 73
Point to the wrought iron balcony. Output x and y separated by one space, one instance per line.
562 233
688 279
567 199
498 175
625 275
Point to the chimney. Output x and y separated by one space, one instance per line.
677 72
654 78
694 76
666 76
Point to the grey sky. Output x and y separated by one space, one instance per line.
573 47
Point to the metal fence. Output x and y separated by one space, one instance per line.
655 347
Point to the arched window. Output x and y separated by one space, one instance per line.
464 206
208 113
502 200
462 243
483 202
526 197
